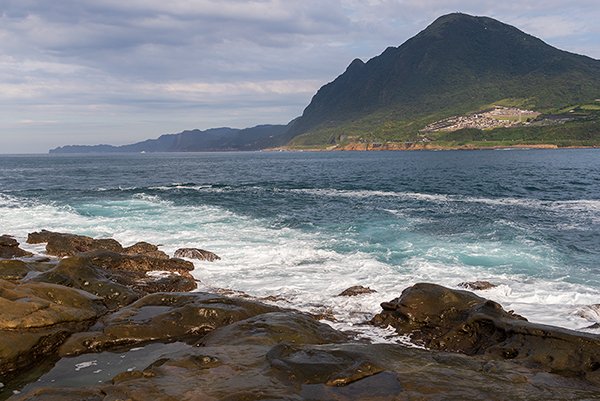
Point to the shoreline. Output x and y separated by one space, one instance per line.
396 147
88 302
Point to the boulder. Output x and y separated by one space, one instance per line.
195 253
460 321
60 244
164 317
120 279
144 248
9 248
15 270
274 328
37 317
477 285
356 290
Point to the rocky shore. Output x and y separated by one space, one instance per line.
93 320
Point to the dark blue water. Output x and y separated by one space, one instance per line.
522 217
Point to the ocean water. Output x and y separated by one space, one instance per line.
304 226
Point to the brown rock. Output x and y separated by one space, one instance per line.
164 317
60 244
453 320
477 285
356 290
274 328
9 248
120 279
37 317
144 248
195 253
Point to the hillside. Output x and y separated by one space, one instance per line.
211 140
459 64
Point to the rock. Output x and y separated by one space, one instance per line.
60 244
459 321
274 328
9 248
164 317
37 317
356 290
195 253
477 285
120 279
365 372
144 248
14 270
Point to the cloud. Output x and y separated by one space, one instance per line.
101 69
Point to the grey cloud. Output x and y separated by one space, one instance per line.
114 67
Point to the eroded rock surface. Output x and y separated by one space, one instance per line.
477 285
164 317
9 248
118 278
356 290
35 319
460 321
61 244
195 253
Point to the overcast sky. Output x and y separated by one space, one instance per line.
120 71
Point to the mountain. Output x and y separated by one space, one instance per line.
457 69
215 139
458 64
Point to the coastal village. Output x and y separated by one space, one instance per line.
497 117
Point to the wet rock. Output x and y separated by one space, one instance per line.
359 372
164 317
144 248
195 253
477 285
15 270
317 366
61 244
37 317
274 328
453 320
9 248
120 279
356 290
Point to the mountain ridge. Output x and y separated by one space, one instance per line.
457 65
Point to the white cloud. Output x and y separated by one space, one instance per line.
100 67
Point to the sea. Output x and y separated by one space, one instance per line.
297 228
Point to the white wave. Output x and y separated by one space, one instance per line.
300 268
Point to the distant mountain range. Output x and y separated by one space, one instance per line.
210 140
458 65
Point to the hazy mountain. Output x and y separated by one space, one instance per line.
215 139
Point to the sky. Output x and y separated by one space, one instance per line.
121 71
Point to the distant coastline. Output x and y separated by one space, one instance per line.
374 147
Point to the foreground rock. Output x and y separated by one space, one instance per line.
118 278
37 317
459 321
195 253
9 248
275 369
164 317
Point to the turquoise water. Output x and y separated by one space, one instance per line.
307 225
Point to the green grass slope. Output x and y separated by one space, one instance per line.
457 65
